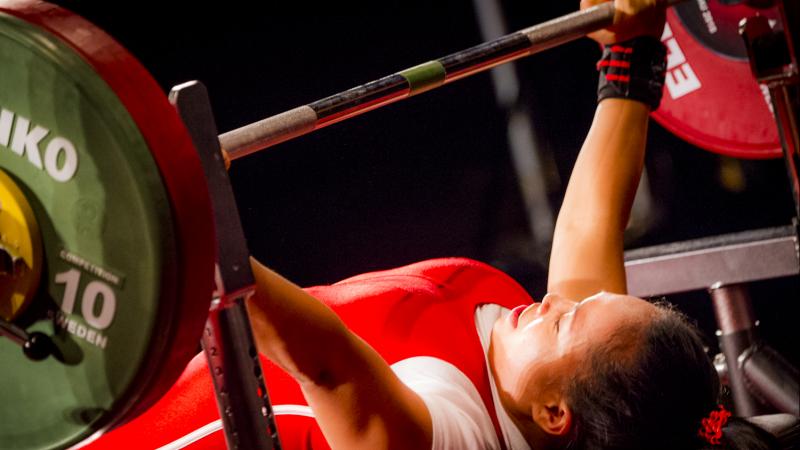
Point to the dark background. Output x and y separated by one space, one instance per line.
430 176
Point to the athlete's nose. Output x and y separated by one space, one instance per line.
553 301
547 303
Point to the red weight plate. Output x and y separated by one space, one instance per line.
186 298
711 98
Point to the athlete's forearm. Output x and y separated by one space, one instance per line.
587 251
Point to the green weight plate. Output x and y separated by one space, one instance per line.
99 167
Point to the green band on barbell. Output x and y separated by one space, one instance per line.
424 77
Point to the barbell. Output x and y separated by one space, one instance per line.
106 229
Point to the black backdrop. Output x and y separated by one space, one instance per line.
429 176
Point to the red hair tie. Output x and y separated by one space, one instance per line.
711 426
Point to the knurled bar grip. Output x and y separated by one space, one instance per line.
415 80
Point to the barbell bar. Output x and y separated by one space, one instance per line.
415 80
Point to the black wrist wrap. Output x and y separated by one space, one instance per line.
633 69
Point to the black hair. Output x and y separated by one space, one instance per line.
648 387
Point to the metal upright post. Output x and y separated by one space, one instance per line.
737 332
244 406
774 59
530 160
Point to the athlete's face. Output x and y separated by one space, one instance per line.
536 349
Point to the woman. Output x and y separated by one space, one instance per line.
582 369
475 364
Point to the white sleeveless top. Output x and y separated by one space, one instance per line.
459 418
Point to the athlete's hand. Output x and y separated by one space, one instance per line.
632 18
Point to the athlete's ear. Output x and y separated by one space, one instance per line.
553 416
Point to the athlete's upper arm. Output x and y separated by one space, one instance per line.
362 404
